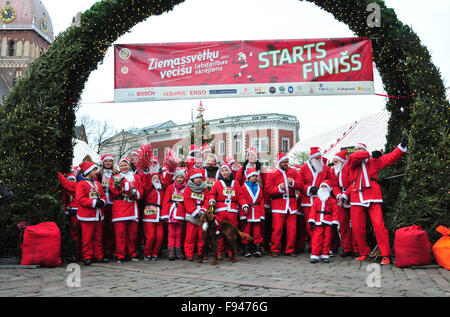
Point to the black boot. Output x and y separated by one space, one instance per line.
247 252
171 254
258 250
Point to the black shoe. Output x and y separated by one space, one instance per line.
346 253
258 251
326 260
171 254
314 261
121 260
103 260
87 262
247 252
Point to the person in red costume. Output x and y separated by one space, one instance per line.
126 189
365 196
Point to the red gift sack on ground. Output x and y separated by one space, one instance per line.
412 247
441 248
42 245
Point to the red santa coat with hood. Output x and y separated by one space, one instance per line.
308 177
363 173
87 193
125 205
153 202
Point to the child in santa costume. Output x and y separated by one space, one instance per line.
322 219
107 170
153 225
281 188
126 189
69 185
365 196
252 212
195 203
224 197
174 212
91 199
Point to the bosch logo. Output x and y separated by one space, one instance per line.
145 93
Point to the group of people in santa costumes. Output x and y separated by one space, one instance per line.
281 208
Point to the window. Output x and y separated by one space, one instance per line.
221 146
11 48
285 145
237 146
261 145
155 152
180 151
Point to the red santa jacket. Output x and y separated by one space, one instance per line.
87 193
255 203
324 212
308 177
68 194
363 171
173 204
282 200
125 205
241 178
153 205
194 202
225 197
340 181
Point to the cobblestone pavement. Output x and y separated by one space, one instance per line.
250 277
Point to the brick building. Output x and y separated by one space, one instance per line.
26 32
269 133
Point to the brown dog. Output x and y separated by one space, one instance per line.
212 231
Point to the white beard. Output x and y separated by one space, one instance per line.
337 168
128 176
157 185
323 194
318 165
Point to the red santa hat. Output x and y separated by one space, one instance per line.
282 157
194 148
251 150
361 145
196 172
227 166
70 176
87 167
124 159
341 156
230 161
107 157
314 151
250 172
326 183
206 148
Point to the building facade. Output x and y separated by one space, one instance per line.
26 32
268 133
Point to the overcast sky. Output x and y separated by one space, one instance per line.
221 20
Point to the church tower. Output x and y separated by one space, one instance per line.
26 32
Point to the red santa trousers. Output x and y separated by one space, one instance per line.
306 211
344 229
126 232
194 239
231 217
358 218
108 231
175 234
75 234
300 233
279 221
91 240
253 229
321 240
154 235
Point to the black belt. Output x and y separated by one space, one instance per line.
126 198
156 205
223 201
324 212
282 197
177 202
251 205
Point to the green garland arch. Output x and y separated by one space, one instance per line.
37 119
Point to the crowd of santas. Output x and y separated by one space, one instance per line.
143 205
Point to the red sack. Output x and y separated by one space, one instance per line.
441 248
412 247
42 245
